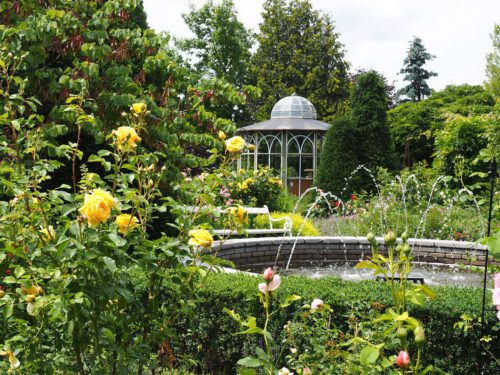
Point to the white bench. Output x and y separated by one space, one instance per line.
286 230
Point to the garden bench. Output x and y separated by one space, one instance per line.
286 230
413 277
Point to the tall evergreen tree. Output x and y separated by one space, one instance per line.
299 51
414 71
339 158
221 44
369 103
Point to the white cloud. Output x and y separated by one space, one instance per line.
376 33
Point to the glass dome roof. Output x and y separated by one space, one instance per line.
294 107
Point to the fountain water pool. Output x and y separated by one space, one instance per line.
433 274
439 261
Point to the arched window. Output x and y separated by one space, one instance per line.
300 161
269 151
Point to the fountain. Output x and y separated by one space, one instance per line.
439 261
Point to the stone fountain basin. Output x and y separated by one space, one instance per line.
320 256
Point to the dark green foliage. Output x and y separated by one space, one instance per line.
339 157
447 348
369 102
415 73
411 128
102 52
414 125
299 52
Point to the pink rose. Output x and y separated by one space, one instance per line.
497 280
496 296
316 304
403 359
268 274
273 285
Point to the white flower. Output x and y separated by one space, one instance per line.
284 371
316 304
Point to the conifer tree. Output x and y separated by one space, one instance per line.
369 103
415 73
299 52
338 157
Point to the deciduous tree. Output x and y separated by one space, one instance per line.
300 52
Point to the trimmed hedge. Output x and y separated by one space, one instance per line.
211 331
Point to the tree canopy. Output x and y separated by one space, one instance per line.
221 44
299 52
415 73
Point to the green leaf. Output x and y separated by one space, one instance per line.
289 299
368 355
110 263
249 362
117 240
366 264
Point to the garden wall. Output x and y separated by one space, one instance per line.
322 251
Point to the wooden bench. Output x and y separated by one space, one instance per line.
286 230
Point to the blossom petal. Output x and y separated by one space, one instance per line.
275 283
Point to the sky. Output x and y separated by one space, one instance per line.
376 33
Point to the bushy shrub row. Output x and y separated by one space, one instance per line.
212 331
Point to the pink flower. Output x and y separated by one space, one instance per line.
498 315
273 285
403 359
496 296
316 304
268 274
497 280
306 371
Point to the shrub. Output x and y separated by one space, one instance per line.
446 347
308 229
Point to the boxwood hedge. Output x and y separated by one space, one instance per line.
211 332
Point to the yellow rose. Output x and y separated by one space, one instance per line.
34 290
235 144
126 138
97 206
221 135
251 147
126 222
47 233
200 237
139 108
13 361
240 214
242 186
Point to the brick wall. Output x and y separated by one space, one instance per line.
256 253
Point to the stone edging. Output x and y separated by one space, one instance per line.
254 253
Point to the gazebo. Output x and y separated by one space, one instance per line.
290 142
